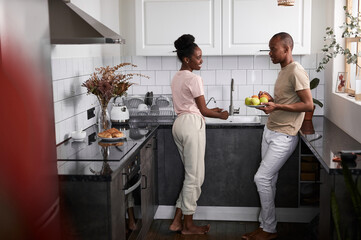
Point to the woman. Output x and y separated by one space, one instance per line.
189 132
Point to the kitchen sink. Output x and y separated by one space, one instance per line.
234 120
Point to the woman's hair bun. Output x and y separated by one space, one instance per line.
184 42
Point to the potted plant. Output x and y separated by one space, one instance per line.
313 84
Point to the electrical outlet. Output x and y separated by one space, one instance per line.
91 113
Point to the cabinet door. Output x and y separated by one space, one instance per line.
232 158
248 25
147 170
160 22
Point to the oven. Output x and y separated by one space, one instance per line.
132 179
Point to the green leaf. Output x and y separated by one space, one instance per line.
315 101
314 83
336 215
354 193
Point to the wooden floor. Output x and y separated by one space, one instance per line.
227 230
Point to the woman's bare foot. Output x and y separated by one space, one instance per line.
190 228
131 224
177 224
196 229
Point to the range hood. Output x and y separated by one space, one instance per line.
71 25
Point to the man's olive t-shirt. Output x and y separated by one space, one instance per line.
291 78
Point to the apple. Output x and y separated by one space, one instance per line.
248 101
255 101
263 100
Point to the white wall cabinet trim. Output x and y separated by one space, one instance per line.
249 24
160 22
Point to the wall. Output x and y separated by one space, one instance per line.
342 111
72 65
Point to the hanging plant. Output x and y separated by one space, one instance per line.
351 29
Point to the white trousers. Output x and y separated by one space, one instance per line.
276 149
189 134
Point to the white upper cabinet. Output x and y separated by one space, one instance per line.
248 25
160 22
220 27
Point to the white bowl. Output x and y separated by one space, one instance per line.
142 107
78 135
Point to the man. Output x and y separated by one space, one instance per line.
292 97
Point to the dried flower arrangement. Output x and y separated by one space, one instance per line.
106 83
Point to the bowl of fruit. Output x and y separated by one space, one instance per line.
258 101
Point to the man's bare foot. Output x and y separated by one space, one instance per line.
262 235
177 224
196 229
131 224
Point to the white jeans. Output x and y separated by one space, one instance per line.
189 133
276 149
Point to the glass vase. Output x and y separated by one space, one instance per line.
104 122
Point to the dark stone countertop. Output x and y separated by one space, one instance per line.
327 141
85 160
96 160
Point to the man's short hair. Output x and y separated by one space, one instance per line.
285 38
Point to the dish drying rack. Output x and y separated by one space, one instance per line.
158 106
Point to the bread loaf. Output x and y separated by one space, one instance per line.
111 133
105 134
117 134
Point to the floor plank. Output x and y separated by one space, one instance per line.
228 230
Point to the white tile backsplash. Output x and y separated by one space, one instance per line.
239 77
154 63
214 91
223 77
230 62
169 63
148 81
162 77
261 62
213 62
209 77
245 62
254 76
269 76
251 74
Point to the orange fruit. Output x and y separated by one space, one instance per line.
264 95
254 96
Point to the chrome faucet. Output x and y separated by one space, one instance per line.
214 100
232 110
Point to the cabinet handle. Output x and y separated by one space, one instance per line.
264 50
146 182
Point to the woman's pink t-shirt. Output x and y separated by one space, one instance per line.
186 86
